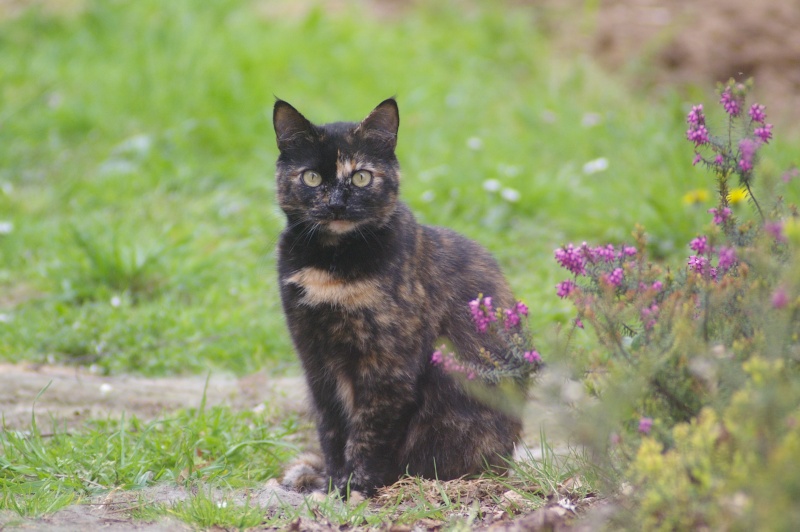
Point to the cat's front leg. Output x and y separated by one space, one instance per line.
377 429
332 440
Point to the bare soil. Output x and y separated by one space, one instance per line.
667 44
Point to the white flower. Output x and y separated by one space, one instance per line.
6 318
509 170
595 165
7 188
492 185
511 195
428 196
116 301
474 143
105 388
591 119
6 227
222 504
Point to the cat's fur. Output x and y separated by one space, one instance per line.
367 291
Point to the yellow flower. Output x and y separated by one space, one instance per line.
737 195
695 197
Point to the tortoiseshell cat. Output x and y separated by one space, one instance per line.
367 291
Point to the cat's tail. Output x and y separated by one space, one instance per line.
306 473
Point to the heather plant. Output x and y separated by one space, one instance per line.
510 364
696 373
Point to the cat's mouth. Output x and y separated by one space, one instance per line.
340 226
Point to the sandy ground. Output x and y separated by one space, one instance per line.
74 394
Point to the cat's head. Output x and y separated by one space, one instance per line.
338 176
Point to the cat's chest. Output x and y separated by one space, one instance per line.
315 287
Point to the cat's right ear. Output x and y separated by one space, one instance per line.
290 126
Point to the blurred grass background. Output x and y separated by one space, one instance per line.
137 211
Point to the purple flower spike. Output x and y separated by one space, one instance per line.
720 216
747 148
512 319
696 117
780 298
776 230
615 277
698 135
565 288
730 102
532 356
727 259
571 258
764 133
757 113
699 244
698 264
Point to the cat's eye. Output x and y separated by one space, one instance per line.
362 178
311 178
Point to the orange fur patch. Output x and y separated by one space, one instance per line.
321 287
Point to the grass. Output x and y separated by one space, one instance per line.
136 162
40 472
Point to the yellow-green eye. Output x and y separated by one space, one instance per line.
362 178
311 178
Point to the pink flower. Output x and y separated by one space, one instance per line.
578 323
645 424
696 117
730 102
757 113
571 258
720 217
699 244
776 230
764 133
657 286
698 264
437 357
532 356
747 149
780 298
522 308
727 258
615 278
565 288
698 135
482 314
512 319
789 174
718 160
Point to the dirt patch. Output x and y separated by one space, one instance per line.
73 394
699 42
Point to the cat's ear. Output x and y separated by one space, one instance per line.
290 126
382 123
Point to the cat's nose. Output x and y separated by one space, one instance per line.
337 202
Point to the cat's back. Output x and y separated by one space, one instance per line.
461 267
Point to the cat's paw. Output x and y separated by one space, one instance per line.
355 490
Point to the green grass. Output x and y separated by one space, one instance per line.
136 157
40 472
136 169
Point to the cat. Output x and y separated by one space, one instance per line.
367 292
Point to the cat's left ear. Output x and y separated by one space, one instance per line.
290 126
382 123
